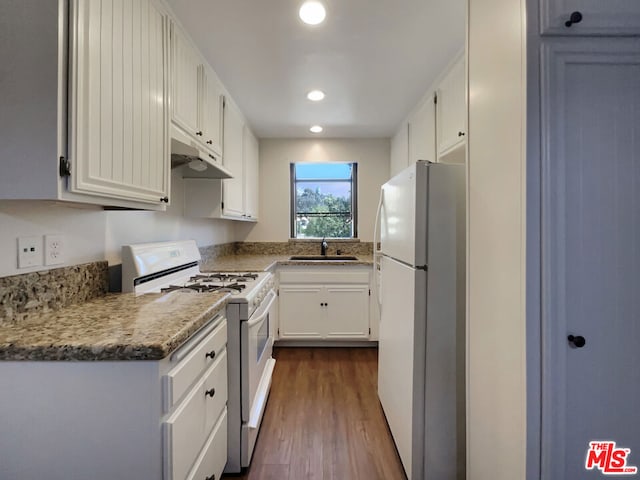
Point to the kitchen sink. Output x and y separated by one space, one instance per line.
324 258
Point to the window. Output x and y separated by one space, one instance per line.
323 200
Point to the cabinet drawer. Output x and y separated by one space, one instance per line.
188 369
306 276
186 430
213 457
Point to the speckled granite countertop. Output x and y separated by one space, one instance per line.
113 327
246 263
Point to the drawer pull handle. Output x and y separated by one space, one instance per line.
211 354
210 393
212 477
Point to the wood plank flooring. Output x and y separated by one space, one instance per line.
323 420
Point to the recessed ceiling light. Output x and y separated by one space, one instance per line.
316 129
312 12
315 95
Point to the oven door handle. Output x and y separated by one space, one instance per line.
259 317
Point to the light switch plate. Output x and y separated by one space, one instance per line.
29 252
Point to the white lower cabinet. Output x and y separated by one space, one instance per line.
324 304
106 420
193 422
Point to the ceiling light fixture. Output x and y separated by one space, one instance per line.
312 12
316 129
315 95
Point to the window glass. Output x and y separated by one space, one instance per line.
323 200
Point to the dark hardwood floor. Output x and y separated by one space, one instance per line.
323 420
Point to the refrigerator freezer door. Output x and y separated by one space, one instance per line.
401 359
403 233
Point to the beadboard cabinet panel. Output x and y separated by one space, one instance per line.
119 113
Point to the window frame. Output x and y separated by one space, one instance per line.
293 181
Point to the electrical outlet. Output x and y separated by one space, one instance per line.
54 249
29 252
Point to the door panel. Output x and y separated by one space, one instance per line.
403 216
613 17
347 311
401 359
119 107
300 313
591 220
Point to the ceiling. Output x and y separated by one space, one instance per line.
374 59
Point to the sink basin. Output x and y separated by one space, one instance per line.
324 258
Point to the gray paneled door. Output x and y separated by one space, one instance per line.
591 252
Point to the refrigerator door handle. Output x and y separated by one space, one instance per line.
376 255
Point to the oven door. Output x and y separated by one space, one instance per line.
256 348
257 365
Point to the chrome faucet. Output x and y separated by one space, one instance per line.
323 247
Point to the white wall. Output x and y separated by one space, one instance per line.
372 156
93 234
496 421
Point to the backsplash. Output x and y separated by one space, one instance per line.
292 247
23 295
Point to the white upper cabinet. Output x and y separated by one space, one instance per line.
251 174
118 100
451 109
233 145
422 132
186 67
233 198
590 17
210 109
84 104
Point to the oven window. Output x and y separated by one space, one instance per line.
263 336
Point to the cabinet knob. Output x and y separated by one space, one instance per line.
165 199
211 354
210 393
210 142
461 134
199 133
576 17
577 341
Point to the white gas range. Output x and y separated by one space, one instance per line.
168 266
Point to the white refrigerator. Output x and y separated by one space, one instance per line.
421 294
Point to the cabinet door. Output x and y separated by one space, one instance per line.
233 146
612 17
119 109
300 312
591 219
186 64
422 133
347 311
451 109
210 109
251 174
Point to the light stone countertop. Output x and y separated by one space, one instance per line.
259 263
113 327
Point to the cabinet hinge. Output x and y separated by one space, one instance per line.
65 167
369 292
222 205
435 98
278 332
369 330
278 292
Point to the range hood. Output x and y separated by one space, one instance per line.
194 161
